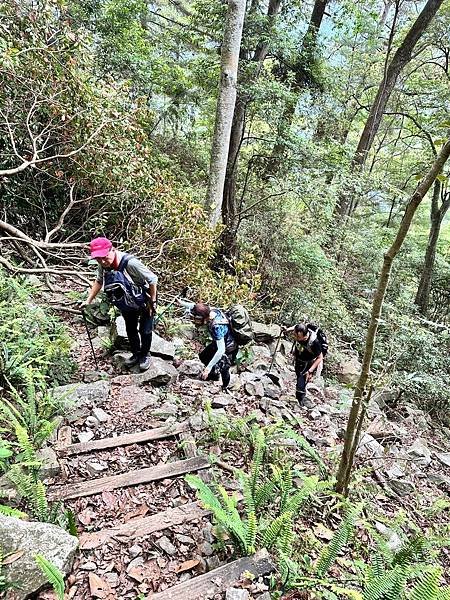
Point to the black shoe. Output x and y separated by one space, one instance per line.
131 361
214 374
144 362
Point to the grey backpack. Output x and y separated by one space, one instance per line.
241 324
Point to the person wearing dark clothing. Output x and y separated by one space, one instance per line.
138 321
308 358
221 353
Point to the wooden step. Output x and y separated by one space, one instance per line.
218 580
113 482
144 526
126 440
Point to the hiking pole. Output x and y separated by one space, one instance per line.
90 339
275 351
183 293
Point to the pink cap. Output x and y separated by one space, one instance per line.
100 247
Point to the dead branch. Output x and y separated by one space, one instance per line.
66 273
35 151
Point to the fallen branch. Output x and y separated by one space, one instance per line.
61 272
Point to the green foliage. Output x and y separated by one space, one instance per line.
271 502
338 541
35 346
427 588
53 575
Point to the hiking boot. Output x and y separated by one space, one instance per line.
306 403
144 362
131 361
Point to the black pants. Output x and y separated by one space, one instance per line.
140 342
208 352
301 369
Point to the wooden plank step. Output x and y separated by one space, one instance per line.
144 526
126 440
218 580
113 482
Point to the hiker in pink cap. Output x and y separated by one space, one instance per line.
131 287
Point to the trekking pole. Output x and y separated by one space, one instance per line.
90 339
275 352
183 293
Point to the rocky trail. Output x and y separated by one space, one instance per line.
129 438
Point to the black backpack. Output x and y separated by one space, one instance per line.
321 336
120 290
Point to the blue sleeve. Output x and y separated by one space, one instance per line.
218 332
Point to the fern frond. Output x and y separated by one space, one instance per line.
12 512
286 539
250 538
204 492
306 447
337 542
294 502
272 532
388 586
27 449
40 503
428 587
289 571
263 494
45 431
71 523
413 550
53 575
285 482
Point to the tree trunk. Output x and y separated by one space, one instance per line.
437 216
301 71
400 59
357 409
229 203
225 106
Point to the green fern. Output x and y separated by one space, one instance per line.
272 532
71 523
414 550
387 587
264 493
12 512
223 508
53 575
305 446
428 587
338 541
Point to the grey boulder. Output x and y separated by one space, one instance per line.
52 542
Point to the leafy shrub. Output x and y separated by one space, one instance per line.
35 345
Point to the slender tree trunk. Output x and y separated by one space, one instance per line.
437 216
356 411
225 106
229 202
400 59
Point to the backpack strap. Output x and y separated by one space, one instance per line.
124 262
